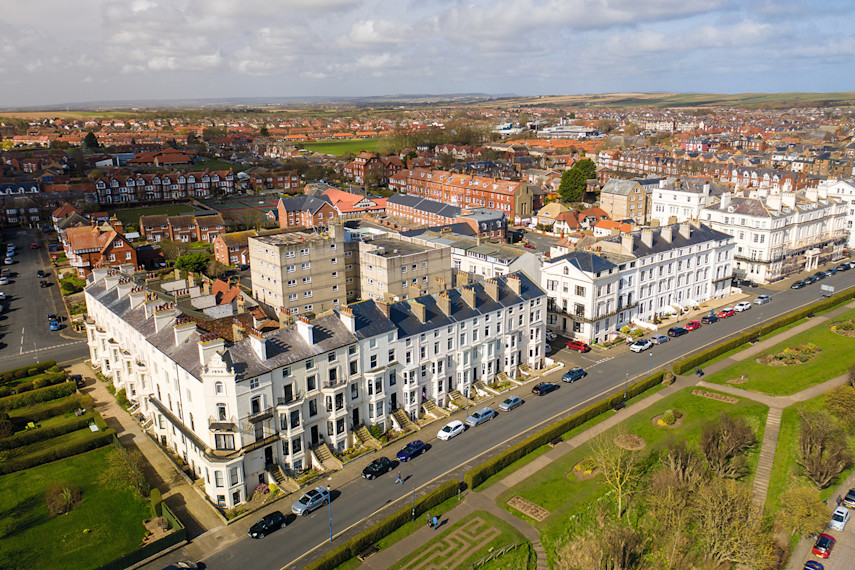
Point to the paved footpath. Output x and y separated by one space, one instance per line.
486 500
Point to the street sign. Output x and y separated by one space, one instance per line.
827 290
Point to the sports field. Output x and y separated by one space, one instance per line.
338 148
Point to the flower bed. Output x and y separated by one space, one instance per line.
844 328
791 356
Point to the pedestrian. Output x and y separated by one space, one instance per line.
697 372
435 522
839 500
428 518
399 480
700 373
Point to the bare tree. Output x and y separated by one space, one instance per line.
173 249
667 498
840 401
610 545
685 463
823 450
803 510
125 470
620 467
724 443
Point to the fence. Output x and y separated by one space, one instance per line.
178 534
494 555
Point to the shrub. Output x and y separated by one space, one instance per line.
668 418
5 391
22 438
33 371
61 499
20 374
156 502
375 431
6 425
36 396
100 422
57 408
122 399
41 382
111 389
57 452
23 387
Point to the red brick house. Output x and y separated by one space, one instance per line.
306 211
285 180
209 227
97 246
366 165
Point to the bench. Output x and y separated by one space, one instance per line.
365 553
555 441
618 406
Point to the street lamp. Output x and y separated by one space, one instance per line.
414 499
625 384
650 366
329 508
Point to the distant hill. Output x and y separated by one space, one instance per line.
758 100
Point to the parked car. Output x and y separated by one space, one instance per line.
843 267
839 518
267 524
547 348
693 325
659 338
314 499
762 300
2 296
43 284
849 499
9 260
823 545
641 345
412 449
185 565
78 379
747 283
4 280
550 336
529 246
543 388
578 346
798 285
709 319
811 280
574 374
243 267
480 416
726 312
451 429
52 317
377 467
677 331
742 306
54 326
820 275
510 403
40 273
34 245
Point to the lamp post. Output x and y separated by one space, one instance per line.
625 384
329 508
414 499
650 365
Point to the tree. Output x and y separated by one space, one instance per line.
840 401
211 133
61 499
215 269
724 443
683 462
620 467
610 545
125 470
823 450
630 129
606 125
263 132
173 249
575 181
193 262
668 505
803 510
90 141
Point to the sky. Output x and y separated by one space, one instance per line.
61 51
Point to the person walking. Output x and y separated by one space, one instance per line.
428 518
399 480
435 522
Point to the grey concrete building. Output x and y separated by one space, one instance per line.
394 268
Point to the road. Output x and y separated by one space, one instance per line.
357 502
26 337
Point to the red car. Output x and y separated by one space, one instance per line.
34 245
726 312
824 544
578 346
692 325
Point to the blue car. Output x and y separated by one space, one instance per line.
412 449
54 326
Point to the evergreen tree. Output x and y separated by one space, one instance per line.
574 181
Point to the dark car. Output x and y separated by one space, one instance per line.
52 317
185 565
412 449
40 273
268 524
843 267
709 319
377 467
677 331
243 267
43 284
578 346
820 275
77 379
813 565
811 280
798 285
823 545
544 388
574 374
849 499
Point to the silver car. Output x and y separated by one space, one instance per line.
510 403
312 500
479 417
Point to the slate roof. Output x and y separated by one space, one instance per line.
620 187
698 234
425 205
585 261
309 204
370 320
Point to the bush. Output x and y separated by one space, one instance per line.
57 452
24 387
366 538
100 422
5 391
36 396
375 431
19 373
7 428
156 503
41 382
122 399
57 408
668 418
33 371
61 499
32 436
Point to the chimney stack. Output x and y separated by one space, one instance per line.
284 317
306 330
347 317
418 310
514 283
468 294
685 230
627 242
667 234
163 314
443 301
259 344
124 287
238 330
191 280
647 237
241 304
136 296
209 343
491 286
725 200
183 328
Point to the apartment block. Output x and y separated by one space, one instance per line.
393 268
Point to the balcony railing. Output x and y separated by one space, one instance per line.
295 399
222 424
261 415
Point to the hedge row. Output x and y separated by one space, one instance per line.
58 452
706 355
48 379
481 473
24 371
36 396
32 436
84 401
366 538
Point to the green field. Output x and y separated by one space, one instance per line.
131 216
107 523
338 148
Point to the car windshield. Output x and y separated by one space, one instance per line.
837 517
822 542
447 428
305 499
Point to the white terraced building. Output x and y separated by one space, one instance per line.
239 412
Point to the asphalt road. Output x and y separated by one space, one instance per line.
358 501
25 337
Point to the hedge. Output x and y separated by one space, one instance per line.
58 452
33 435
156 502
706 355
78 400
366 538
9 375
481 473
36 396
48 379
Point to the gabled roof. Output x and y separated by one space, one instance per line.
619 187
583 260
311 204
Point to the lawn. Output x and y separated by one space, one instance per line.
551 489
218 164
338 148
107 524
447 556
38 447
131 216
833 360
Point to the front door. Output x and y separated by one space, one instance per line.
355 416
313 434
393 402
268 455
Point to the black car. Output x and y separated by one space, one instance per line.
798 285
412 449
40 273
811 280
43 284
52 317
820 275
77 379
709 319
268 524
677 331
544 388
377 467
843 267
747 283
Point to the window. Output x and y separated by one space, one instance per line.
306 266
311 383
218 478
292 283
291 268
373 361
307 294
304 251
354 391
392 355
354 367
224 441
580 291
293 297
233 476
313 408
219 388
307 280
296 445
331 357
253 383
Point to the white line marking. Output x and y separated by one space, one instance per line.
22 341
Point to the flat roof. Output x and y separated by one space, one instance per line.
394 248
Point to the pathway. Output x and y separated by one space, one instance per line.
486 500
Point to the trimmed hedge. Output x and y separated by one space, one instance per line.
156 502
58 452
36 396
481 473
78 400
9 375
706 355
366 538
48 379
33 435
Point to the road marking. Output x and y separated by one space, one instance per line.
41 348
22 341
